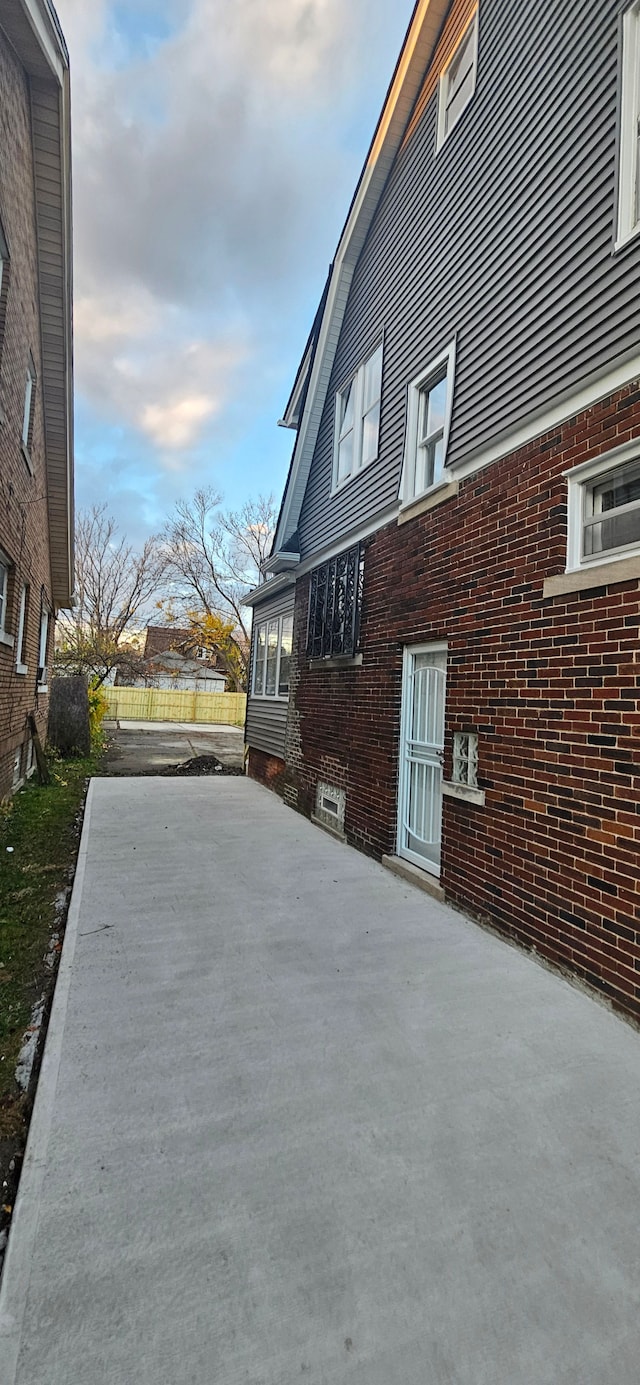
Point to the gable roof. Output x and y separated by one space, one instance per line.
33 28
312 380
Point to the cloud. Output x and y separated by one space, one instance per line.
212 172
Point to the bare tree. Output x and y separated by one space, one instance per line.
213 558
114 586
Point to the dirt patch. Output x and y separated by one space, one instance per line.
202 764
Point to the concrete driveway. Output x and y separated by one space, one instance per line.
147 747
299 1122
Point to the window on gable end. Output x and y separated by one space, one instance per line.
429 404
357 427
458 81
629 149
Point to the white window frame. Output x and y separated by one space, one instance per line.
21 665
579 480
256 691
628 224
43 671
29 391
356 382
5 569
442 134
418 387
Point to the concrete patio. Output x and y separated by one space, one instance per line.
298 1121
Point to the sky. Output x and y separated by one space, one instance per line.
216 148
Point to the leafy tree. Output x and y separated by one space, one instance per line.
213 559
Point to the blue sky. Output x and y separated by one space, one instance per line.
217 144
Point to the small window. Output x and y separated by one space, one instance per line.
21 643
43 673
629 155
357 430
29 401
428 418
335 601
603 520
458 82
272 657
465 758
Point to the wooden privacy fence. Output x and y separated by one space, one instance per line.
159 704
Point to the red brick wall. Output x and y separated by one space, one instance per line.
551 685
267 769
23 511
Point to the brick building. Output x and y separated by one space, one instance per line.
445 656
36 441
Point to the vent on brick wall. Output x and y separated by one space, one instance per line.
330 806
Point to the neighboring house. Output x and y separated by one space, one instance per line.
36 383
174 661
445 659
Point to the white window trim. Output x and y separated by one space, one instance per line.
45 617
628 225
443 85
357 380
577 479
407 496
30 383
5 637
255 692
21 667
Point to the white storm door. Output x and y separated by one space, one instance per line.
421 755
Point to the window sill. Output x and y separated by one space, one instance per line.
22 669
341 661
268 697
437 496
464 792
625 239
600 575
27 456
338 487
6 639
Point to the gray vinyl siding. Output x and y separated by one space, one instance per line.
266 721
504 238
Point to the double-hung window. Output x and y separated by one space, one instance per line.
21 643
29 402
43 672
335 601
603 512
272 657
428 417
357 427
458 81
629 153
5 638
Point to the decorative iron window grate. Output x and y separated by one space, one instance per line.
335 599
